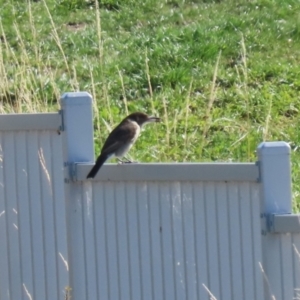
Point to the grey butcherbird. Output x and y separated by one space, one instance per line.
121 139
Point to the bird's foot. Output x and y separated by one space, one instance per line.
126 161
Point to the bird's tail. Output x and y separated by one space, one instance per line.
99 162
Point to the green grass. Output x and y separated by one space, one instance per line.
223 75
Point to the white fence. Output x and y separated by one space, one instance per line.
145 231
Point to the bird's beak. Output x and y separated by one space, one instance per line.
153 119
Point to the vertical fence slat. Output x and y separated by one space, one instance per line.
189 240
156 241
76 244
177 232
256 240
48 214
296 264
4 249
60 221
111 236
36 215
166 231
122 239
246 235
12 216
134 241
24 214
145 254
201 238
212 240
89 240
100 241
223 236
272 280
235 241
287 266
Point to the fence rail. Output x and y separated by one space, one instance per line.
22 122
142 231
172 172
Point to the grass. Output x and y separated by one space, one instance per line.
223 75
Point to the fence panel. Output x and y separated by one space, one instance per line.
168 240
281 266
33 252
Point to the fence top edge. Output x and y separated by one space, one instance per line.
170 172
30 121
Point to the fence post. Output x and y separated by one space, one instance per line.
275 176
78 126
78 147
276 195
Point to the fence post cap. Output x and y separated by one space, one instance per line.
274 148
76 97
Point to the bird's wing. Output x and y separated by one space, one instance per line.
117 138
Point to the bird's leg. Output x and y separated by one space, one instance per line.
120 161
128 161
125 161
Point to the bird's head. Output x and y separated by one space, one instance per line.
142 118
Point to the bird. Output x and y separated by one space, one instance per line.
121 139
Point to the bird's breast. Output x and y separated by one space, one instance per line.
126 147
137 131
